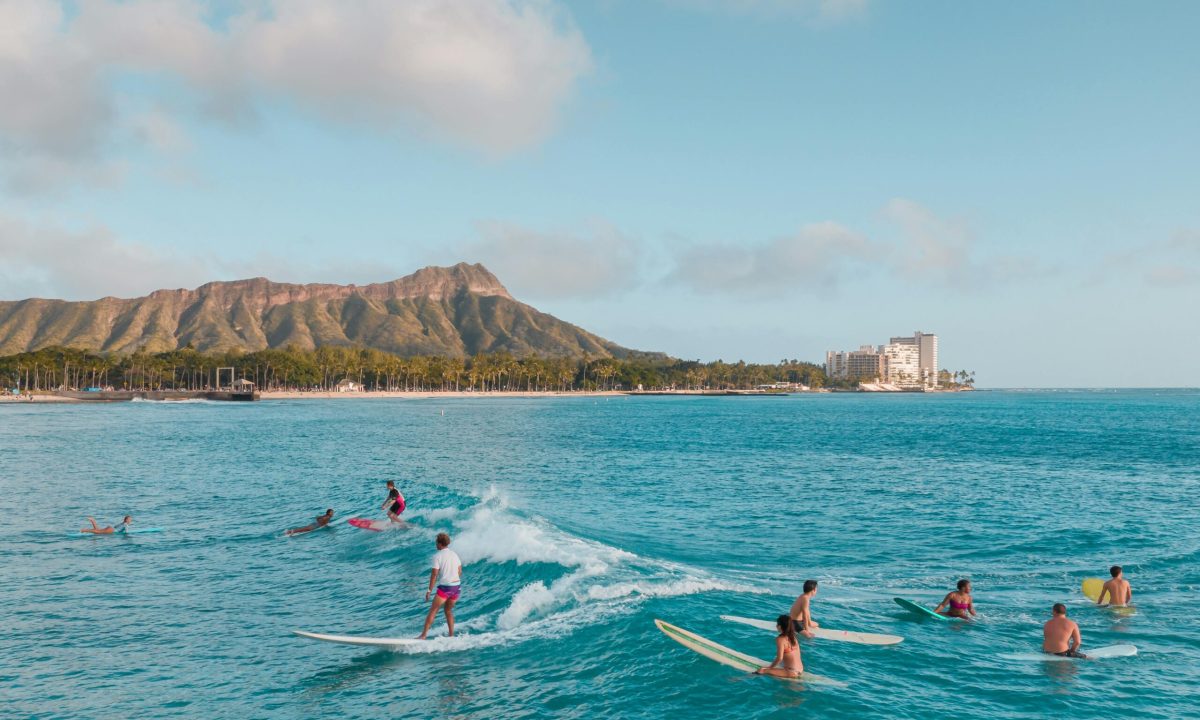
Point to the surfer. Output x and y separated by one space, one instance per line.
787 651
447 576
1061 635
1118 590
109 529
319 522
959 601
394 504
801 612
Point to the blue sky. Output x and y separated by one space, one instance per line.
727 179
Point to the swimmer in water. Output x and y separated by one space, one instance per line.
108 530
1060 635
1117 590
959 601
787 652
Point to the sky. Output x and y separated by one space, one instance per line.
733 179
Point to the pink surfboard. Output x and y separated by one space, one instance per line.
368 524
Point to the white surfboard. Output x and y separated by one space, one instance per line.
359 640
862 638
732 658
1100 653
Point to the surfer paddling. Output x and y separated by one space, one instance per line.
446 575
1061 636
394 504
959 602
319 522
1116 590
108 529
787 651
801 612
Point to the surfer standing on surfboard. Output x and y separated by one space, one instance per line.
108 530
1118 590
1061 636
447 576
959 601
801 612
394 504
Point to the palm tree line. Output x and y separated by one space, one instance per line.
324 368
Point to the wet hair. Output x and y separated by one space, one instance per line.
962 584
443 540
127 518
1115 570
810 585
329 511
1059 609
784 625
391 483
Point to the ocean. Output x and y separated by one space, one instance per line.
580 521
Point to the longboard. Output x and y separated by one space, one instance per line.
732 658
921 609
129 531
1092 587
862 638
1100 653
358 639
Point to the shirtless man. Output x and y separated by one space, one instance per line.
1117 590
801 612
1061 636
319 522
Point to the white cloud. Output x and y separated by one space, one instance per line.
491 74
816 257
553 265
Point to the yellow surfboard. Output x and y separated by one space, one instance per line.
1092 587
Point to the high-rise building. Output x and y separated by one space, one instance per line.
902 364
927 347
865 363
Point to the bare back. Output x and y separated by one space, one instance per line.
1118 591
1057 634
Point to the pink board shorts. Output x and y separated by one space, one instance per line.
448 592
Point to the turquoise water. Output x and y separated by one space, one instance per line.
579 521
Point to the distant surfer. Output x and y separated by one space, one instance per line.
1061 635
1117 590
394 504
120 527
959 602
801 612
787 651
446 575
319 522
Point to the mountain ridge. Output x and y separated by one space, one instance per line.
456 311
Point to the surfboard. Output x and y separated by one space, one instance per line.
1092 587
921 609
862 638
358 640
1100 653
369 524
732 658
130 531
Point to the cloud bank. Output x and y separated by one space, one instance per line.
489 74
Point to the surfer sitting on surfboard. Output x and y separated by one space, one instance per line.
1061 635
394 504
108 530
787 651
1118 590
319 522
447 576
959 601
801 612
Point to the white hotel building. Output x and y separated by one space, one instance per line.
907 362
